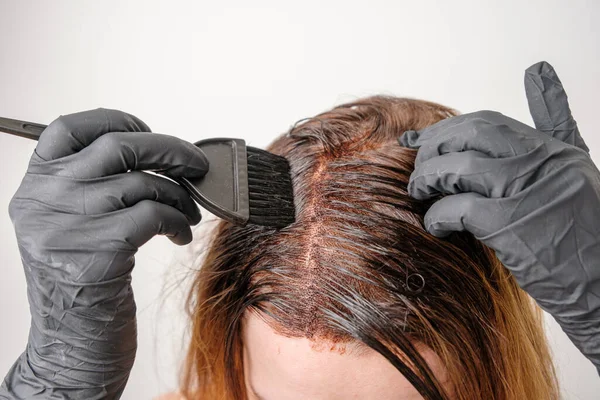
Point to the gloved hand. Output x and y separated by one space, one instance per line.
80 217
532 195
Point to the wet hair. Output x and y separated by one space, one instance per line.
358 266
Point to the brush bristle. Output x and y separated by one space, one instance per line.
270 189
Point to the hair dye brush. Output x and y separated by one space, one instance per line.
244 185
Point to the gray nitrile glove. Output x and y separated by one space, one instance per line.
532 195
80 217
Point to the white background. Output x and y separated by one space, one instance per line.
250 69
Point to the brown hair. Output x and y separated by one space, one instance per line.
358 265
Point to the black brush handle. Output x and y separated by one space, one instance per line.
223 190
28 130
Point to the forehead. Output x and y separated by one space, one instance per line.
282 368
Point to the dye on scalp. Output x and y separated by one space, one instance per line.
358 266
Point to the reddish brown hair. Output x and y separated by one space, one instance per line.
357 265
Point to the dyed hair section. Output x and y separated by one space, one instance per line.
358 265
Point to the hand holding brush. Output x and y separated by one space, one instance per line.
84 208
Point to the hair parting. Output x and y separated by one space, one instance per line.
358 266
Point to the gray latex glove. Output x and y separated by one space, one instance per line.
80 217
532 195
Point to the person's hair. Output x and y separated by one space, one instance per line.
358 266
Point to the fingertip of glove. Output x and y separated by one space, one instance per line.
181 238
438 233
194 219
198 166
541 68
407 138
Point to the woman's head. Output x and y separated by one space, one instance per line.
356 280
